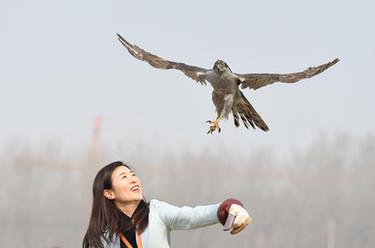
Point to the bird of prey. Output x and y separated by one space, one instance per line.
226 85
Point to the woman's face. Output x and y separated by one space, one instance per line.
126 186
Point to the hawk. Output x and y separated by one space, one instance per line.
226 94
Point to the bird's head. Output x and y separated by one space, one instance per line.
221 66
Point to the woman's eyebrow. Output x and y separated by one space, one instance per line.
124 173
121 174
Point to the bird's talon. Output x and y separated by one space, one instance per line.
214 125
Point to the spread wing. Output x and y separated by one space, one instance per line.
194 72
256 81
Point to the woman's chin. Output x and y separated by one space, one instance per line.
138 195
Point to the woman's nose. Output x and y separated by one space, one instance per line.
133 180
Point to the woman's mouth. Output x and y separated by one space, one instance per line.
135 188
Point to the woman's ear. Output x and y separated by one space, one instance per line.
109 194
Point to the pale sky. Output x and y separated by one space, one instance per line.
61 66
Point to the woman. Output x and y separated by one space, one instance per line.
121 218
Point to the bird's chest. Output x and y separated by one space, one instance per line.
223 81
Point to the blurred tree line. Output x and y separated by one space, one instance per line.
316 197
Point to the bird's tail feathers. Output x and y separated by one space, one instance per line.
248 115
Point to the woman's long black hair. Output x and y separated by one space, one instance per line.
104 213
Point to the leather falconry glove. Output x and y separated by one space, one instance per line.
233 216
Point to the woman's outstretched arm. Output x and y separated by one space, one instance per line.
184 218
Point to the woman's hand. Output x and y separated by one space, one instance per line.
233 216
241 218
